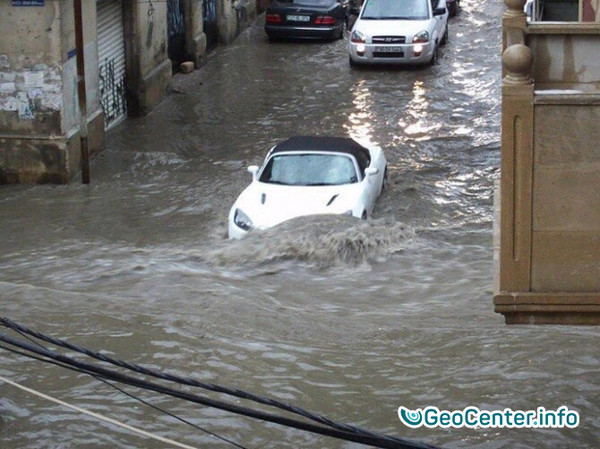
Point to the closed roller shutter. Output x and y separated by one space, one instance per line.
111 59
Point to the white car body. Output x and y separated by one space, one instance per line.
377 40
267 204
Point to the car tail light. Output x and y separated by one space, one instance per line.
325 20
274 18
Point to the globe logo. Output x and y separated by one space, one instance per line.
411 418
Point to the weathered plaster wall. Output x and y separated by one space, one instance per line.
71 116
152 29
30 70
39 111
234 17
149 68
195 37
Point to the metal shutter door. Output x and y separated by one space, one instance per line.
111 60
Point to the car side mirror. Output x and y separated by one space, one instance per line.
254 170
370 171
439 11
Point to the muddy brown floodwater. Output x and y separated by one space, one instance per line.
348 318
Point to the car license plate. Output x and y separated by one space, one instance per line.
298 18
389 49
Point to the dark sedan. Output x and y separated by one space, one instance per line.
311 19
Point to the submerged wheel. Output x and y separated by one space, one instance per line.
364 215
384 181
434 56
453 8
446 37
342 30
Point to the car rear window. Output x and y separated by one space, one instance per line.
395 10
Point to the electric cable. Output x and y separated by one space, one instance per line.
363 437
186 381
106 382
96 415
172 415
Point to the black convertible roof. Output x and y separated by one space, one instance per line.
333 144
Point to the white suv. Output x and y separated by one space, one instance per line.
399 32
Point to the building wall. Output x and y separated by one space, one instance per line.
589 10
195 36
149 68
566 61
38 101
30 70
566 198
566 162
234 18
39 109
549 242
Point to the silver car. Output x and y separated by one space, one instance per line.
399 32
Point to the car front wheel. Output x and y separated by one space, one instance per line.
384 181
434 56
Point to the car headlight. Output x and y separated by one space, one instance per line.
357 37
241 220
421 38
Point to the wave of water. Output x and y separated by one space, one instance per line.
324 241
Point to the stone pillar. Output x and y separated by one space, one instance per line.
514 258
195 36
234 17
146 47
516 169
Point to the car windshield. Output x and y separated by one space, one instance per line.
309 170
395 10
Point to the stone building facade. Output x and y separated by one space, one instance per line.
130 51
548 200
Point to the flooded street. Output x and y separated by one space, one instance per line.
348 318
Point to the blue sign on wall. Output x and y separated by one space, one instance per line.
28 2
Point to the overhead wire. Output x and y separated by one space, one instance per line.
186 381
329 427
96 415
110 384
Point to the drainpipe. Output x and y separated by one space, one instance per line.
81 93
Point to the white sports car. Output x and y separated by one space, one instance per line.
307 176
